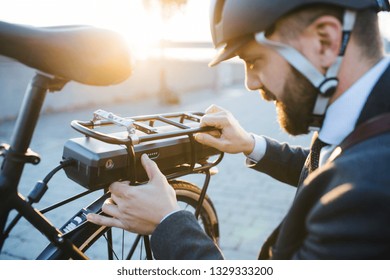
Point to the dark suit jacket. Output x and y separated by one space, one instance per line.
341 211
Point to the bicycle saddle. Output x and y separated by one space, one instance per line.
84 54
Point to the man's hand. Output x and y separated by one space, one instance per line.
232 138
141 208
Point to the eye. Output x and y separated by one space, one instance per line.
251 63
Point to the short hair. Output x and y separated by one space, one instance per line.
365 33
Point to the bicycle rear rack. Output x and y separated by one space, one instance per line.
103 118
158 135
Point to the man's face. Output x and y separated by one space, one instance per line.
293 94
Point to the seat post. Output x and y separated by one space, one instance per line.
16 155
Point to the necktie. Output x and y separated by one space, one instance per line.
315 153
314 157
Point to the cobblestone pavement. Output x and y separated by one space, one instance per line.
249 204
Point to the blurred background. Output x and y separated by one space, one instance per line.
171 46
169 39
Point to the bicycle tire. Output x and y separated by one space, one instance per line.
87 235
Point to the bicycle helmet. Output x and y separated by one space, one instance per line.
234 23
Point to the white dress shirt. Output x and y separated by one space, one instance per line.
344 112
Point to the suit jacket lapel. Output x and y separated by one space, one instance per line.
289 235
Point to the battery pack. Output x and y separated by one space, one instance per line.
98 164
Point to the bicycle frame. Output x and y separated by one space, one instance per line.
18 154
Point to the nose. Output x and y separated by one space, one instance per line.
252 79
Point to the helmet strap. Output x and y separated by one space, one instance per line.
325 84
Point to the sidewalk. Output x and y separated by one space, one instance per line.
249 204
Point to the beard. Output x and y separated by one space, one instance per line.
295 108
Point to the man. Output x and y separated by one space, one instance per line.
322 64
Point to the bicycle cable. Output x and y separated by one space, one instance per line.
37 192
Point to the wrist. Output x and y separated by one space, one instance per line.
169 214
249 147
259 149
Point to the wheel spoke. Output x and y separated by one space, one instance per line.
92 239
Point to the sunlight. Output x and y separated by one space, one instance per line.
143 29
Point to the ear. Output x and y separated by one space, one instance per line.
325 34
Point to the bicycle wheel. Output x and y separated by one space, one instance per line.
99 242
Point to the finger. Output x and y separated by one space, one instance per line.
150 167
122 199
213 109
217 120
113 200
104 221
209 140
110 201
214 133
117 188
200 136
111 209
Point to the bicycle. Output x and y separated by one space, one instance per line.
98 158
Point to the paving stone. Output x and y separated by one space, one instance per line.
249 204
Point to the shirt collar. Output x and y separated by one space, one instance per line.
346 109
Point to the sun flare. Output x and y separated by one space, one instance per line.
142 28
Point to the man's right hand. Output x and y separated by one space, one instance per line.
231 137
140 208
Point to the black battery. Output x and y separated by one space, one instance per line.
98 164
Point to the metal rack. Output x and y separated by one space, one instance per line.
141 129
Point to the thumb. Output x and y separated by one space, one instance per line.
150 167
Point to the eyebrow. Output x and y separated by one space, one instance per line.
250 57
251 53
